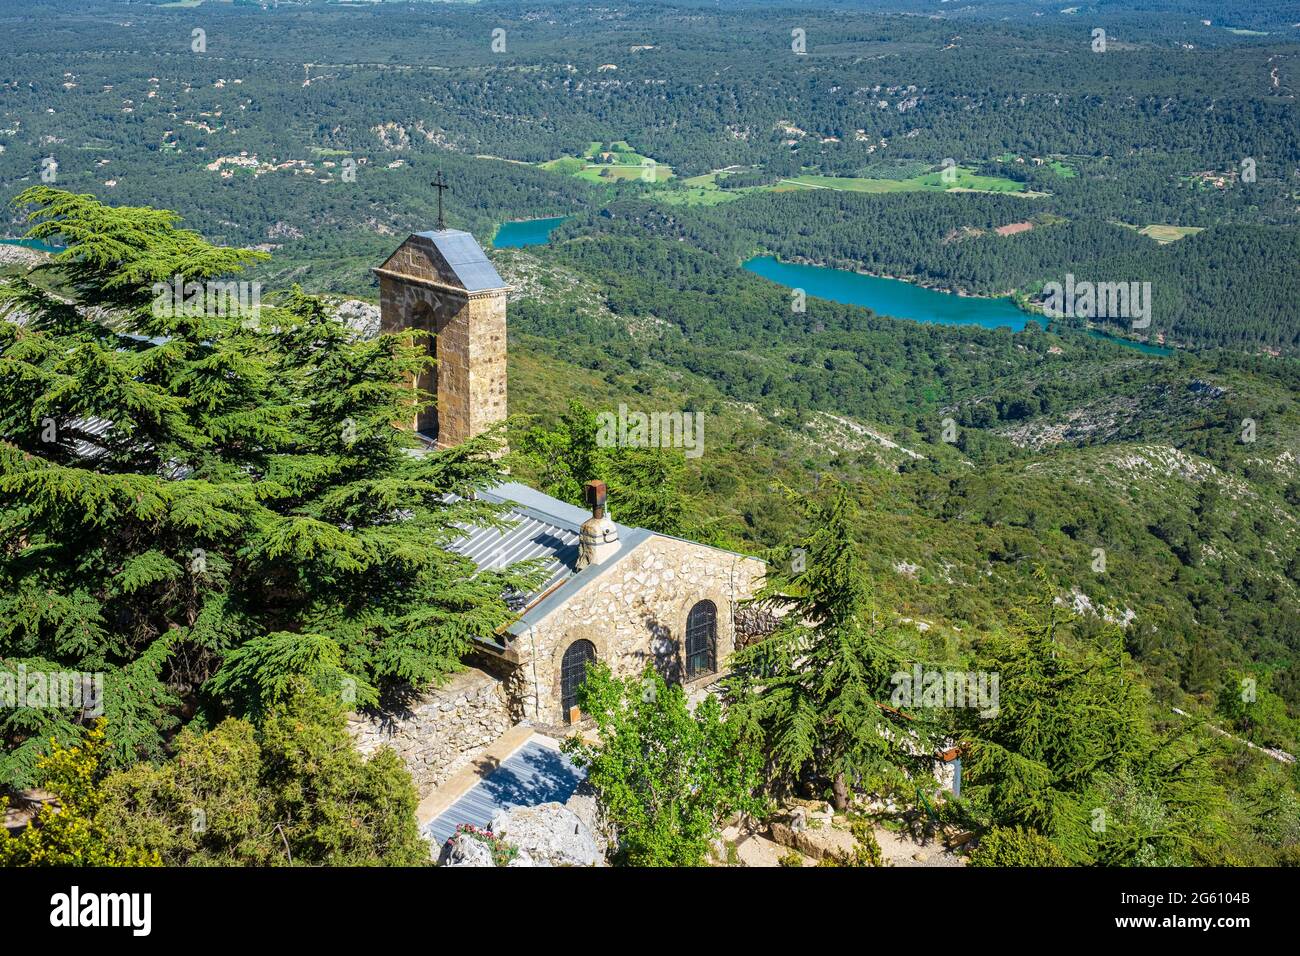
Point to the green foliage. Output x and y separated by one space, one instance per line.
665 778
810 695
502 851
1061 715
262 672
1254 710
898 235
1212 582
72 831
247 508
645 484
292 791
1070 752
1016 846
866 851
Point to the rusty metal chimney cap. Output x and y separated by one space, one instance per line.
596 493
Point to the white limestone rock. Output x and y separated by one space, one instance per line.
583 802
549 834
464 850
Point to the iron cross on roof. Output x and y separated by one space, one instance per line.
440 184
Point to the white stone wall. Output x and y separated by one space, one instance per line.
441 731
636 612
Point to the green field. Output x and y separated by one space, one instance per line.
1058 166
1161 232
607 162
1166 234
613 161
700 195
966 180
703 190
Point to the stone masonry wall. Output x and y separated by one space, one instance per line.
636 612
486 375
468 339
441 731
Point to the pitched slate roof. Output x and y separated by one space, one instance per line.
470 265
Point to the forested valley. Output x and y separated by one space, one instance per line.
999 498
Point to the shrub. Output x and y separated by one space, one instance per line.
1004 846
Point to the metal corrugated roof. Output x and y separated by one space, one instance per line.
474 271
533 533
534 774
528 537
95 427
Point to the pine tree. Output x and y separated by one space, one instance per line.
1069 753
176 484
71 831
812 695
645 484
291 790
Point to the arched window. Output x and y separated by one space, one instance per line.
701 640
573 671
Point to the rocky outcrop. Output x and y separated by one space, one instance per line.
361 317
584 804
547 835
814 834
465 850
21 255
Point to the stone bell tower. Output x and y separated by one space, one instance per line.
441 282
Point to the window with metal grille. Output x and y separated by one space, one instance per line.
701 640
573 671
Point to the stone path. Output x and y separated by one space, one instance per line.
903 849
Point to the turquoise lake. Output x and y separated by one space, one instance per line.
891 297
31 244
903 300
526 232
1130 343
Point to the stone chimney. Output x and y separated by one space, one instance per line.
598 539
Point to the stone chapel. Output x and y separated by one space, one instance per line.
613 593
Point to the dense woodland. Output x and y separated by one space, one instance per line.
1230 286
964 480
129 102
737 334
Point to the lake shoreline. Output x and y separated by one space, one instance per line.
520 233
1015 298
890 296
921 282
